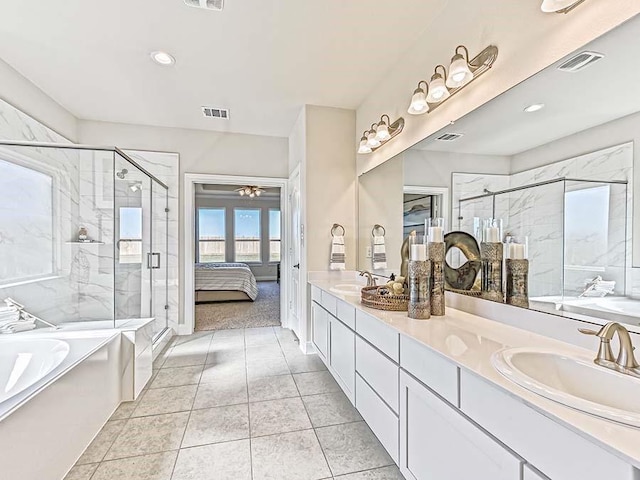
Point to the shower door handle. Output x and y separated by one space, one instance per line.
150 260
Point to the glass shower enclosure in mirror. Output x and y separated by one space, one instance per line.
563 176
83 235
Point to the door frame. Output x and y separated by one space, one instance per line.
190 181
444 191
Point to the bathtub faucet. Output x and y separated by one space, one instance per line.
10 302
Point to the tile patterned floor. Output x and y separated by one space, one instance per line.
235 405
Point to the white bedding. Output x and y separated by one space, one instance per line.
226 277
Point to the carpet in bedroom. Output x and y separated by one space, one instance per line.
263 312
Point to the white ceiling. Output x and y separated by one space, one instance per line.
262 59
574 102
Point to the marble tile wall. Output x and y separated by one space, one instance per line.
83 285
539 214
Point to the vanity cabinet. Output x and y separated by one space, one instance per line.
342 355
532 474
320 330
437 442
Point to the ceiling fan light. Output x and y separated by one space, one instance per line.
382 132
241 192
438 91
459 72
419 103
258 192
372 141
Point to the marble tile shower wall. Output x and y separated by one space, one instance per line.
83 287
538 213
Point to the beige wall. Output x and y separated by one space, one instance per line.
528 39
27 97
434 169
200 152
380 197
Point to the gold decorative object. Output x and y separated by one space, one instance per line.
517 282
436 257
462 278
419 289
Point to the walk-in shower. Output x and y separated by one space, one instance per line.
83 235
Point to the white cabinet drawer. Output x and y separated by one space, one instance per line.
320 330
346 314
438 443
382 421
329 302
532 474
430 368
384 337
316 294
552 448
343 355
379 372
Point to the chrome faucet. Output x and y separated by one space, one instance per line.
626 361
371 280
591 285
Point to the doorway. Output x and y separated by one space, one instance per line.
229 235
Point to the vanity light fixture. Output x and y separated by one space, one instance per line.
379 134
382 129
162 58
459 72
534 107
419 104
443 85
438 91
559 6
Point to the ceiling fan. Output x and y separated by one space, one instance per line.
250 191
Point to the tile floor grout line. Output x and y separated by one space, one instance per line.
246 377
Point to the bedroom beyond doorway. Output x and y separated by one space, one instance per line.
238 236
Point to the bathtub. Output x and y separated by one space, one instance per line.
30 361
614 309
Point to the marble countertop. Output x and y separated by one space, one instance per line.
470 340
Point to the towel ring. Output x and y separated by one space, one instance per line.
335 227
378 227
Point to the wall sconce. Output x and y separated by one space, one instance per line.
559 6
379 134
462 71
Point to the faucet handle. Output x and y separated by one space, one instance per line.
587 331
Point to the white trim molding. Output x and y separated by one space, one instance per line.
444 191
190 180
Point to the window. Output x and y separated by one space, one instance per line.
211 235
274 235
130 243
26 223
247 235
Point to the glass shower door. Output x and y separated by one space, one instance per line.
157 257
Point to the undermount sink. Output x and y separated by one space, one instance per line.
347 289
573 381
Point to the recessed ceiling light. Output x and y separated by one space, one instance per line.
534 108
162 58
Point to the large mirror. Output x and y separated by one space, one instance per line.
554 158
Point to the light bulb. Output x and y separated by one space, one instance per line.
241 192
372 141
382 132
459 73
258 192
419 103
438 91
364 148
162 58
251 195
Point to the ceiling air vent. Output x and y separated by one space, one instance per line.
213 112
449 137
209 4
580 61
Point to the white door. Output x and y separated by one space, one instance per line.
295 248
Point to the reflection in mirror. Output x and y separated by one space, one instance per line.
553 163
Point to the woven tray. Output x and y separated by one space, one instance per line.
373 298
470 293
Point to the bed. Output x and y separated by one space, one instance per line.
219 282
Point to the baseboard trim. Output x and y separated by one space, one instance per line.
308 348
184 329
